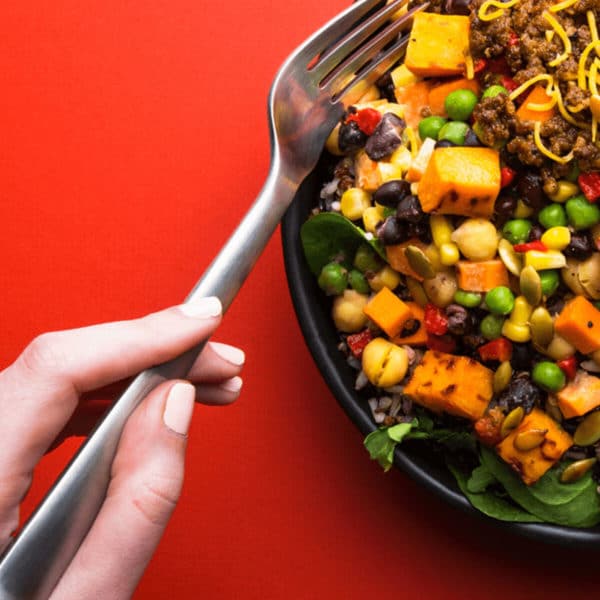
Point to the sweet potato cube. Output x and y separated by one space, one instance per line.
413 97
396 256
481 276
388 312
461 181
532 464
538 96
579 396
438 45
457 385
579 324
419 337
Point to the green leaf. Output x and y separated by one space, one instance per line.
480 479
327 235
399 432
382 442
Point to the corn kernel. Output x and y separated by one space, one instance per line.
372 93
565 190
354 202
449 254
540 260
389 171
401 76
385 277
521 311
516 333
371 217
441 230
401 157
522 211
556 238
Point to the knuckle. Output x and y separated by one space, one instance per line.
43 355
156 498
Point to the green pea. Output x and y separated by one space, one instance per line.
454 131
500 300
581 213
333 279
429 127
459 104
548 375
358 282
516 231
366 260
552 215
468 299
491 326
493 91
550 280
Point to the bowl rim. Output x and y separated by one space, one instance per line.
317 329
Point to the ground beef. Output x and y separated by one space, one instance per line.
496 117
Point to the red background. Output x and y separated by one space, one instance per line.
132 139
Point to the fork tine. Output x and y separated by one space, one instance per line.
336 83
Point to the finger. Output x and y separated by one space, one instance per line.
39 392
147 476
217 362
221 393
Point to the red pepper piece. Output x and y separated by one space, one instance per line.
435 320
506 176
568 366
441 343
509 83
479 65
498 349
590 185
498 66
513 39
366 118
535 245
357 342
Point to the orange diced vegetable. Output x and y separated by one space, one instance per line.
437 94
461 181
368 176
481 276
532 464
579 396
458 385
396 256
537 95
438 44
419 337
419 163
579 324
387 311
413 98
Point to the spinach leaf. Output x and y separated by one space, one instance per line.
481 478
327 235
382 442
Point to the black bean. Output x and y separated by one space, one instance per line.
504 208
458 319
555 304
419 230
521 391
457 7
535 233
392 231
386 137
409 209
580 247
531 190
471 139
521 357
351 138
444 144
392 192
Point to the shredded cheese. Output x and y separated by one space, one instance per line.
591 19
469 66
563 36
540 146
581 74
563 111
483 15
562 5
542 77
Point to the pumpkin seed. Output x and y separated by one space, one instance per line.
512 421
512 261
588 431
589 275
530 285
416 291
542 326
577 470
419 262
554 412
502 376
529 439
559 348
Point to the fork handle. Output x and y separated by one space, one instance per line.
36 559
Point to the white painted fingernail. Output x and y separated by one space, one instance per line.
232 385
202 308
231 354
179 407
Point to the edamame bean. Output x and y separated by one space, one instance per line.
516 231
366 260
454 132
500 300
552 215
430 127
581 213
550 280
467 299
493 91
358 282
548 375
491 326
333 279
459 104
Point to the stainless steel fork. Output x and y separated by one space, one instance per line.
308 97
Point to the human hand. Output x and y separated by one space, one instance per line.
39 395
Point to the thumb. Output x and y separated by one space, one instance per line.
147 477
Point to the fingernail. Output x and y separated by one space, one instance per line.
232 385
179 407
231 354
202 308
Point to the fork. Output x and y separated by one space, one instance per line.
309 95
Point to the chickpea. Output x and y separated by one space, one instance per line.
477 239
384 363
347 311
441 288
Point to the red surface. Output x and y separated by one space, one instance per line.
132 139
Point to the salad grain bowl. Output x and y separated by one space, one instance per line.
453 240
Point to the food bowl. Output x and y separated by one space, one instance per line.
313 314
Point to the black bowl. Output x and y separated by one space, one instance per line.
313 313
